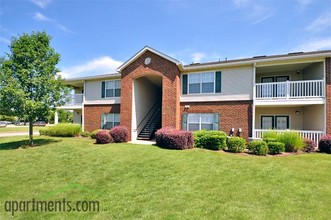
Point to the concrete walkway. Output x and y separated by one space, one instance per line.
11 134
143 142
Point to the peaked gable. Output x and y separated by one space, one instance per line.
142 51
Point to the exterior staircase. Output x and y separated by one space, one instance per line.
153 123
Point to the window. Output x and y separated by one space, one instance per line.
110 120
111 89
200 121
197 83
279 122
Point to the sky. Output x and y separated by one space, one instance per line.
96 36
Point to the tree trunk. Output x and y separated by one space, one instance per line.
30 133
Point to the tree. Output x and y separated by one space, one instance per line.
29 85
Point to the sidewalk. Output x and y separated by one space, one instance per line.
11 134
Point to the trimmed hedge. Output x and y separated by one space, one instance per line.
310 146
325 144
93 133
61 130
213 140
174 139
258 147
103 137
85 134
236 144
276 147
120 134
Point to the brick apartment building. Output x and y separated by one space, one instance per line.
240 97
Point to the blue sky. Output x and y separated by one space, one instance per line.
96 36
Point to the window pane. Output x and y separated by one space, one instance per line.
207 126
109 93
194 78
117 84
194 88
207 118
117 117
208 87
193 127
108 125
267 122
207 77
117 92
281 122
193 118
110 84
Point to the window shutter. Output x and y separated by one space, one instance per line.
218 82
102 124
184 84
184 121
103 88
216 121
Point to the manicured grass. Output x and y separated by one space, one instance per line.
146 182
14 129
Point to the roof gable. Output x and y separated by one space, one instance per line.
142 51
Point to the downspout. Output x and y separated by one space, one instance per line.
254 93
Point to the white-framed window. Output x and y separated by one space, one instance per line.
201 83
110 120
200 121
111 88
278 122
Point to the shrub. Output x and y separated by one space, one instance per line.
103 137
61 130
85 134
213 140
174 139
236 144
120 134
258 147
325 144
276 147
93 133
270 135
292 140
267 140
310 146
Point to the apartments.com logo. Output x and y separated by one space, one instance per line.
51 206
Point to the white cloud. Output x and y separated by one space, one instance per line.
314 44
98 66
240 3
197 57
304 3
254 11
323 22
40 17
41 3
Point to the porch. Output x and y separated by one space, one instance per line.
307 120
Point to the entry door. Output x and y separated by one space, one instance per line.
267 89
281 89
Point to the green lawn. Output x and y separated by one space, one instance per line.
146 182
12 129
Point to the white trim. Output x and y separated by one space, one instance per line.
325 95
83 111
275 76
253 104
113 80
290 102
104 76
147 48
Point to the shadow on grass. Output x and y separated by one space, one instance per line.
25 144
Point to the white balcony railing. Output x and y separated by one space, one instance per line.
311 135
74 100
290 90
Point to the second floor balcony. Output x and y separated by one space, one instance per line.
290 90
74 101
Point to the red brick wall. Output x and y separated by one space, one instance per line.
328 94
170 88
92 115
233 114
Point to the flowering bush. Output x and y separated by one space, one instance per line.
310 146
93 133
103 137
325 144
174 139
120 134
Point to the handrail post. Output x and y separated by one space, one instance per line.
287 89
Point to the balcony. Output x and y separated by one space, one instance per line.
290 90
73 101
